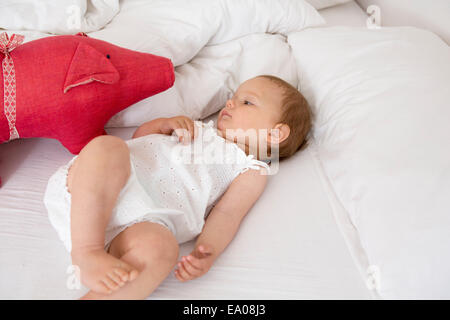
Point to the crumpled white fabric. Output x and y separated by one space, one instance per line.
322 4
57 17
215 46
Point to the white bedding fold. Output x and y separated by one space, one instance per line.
179 29
57 17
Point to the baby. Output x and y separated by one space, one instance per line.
123 207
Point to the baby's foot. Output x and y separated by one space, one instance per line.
101 272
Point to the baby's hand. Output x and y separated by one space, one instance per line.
196 264
183 126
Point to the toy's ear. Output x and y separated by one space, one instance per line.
89 65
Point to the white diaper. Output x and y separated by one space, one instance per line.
133 206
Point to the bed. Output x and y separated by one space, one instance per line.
292 244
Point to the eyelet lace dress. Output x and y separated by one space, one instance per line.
172 184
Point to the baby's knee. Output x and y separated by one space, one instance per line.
107 144
160 247
110 151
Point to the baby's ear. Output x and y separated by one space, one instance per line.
279 133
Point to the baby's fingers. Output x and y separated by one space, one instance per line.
178 275
195 262
191 269
182 274
182 134
190 126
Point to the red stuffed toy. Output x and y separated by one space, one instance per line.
68 87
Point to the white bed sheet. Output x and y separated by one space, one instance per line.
288 247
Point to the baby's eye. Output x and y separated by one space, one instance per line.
247 102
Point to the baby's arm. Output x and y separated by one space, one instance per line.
182 125
149 127
222 223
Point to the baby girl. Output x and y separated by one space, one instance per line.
123 207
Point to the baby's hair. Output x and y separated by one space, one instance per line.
296 114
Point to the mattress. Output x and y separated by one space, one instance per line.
288 246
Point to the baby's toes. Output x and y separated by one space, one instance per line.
116 278
123 274
133 274
101 288
110 284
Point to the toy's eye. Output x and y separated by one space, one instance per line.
108 56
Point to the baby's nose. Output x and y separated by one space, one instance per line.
229 104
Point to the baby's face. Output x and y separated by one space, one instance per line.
256 104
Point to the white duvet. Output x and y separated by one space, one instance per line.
57 17
214 45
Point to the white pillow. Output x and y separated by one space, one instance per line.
381 133
431 15
203 85
322 4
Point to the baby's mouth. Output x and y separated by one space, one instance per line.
224 113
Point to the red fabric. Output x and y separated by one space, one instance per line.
89 65
68 87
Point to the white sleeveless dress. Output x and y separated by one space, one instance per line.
172 184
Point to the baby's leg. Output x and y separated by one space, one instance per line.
95 180
153 249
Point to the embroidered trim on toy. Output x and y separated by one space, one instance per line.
9 80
